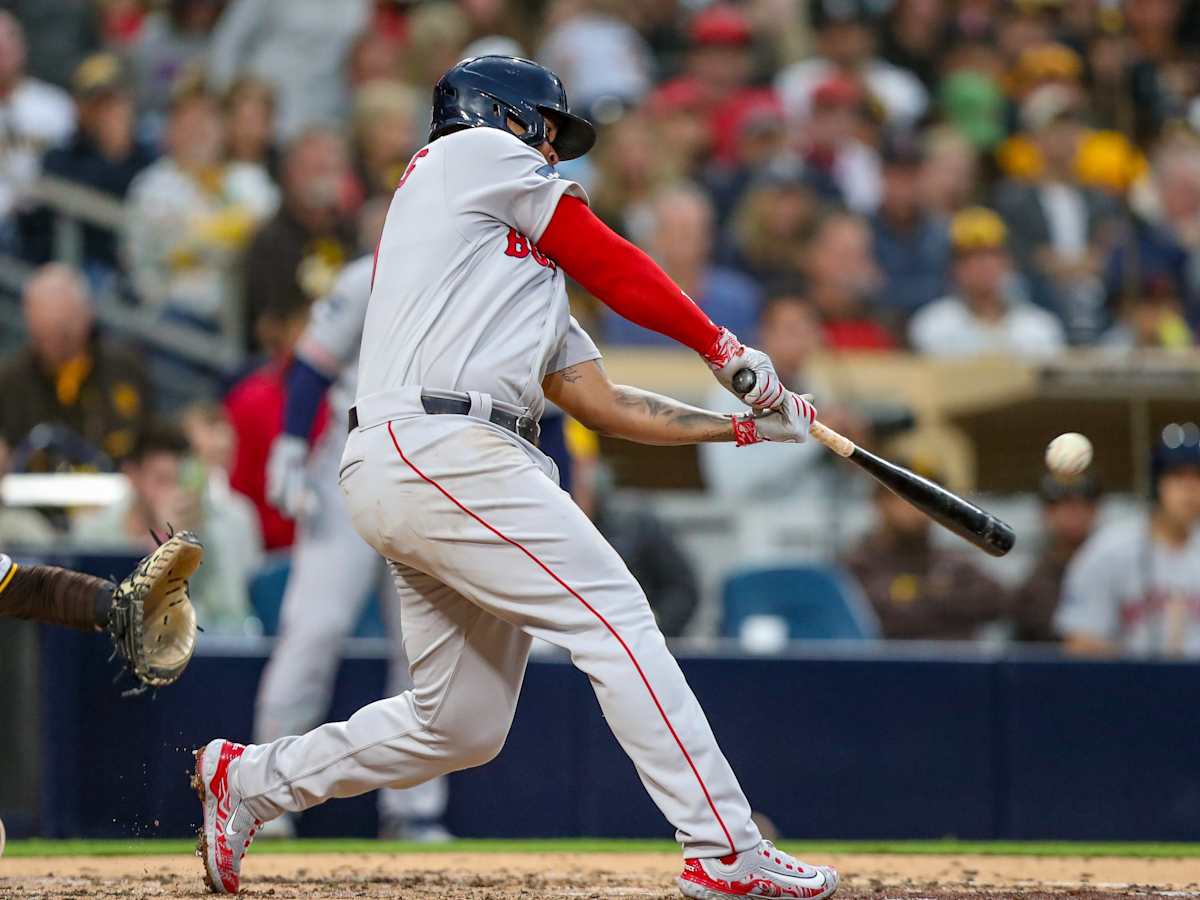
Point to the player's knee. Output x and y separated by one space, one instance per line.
481 743
472 741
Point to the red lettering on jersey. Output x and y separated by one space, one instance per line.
519 247
411 165
518 244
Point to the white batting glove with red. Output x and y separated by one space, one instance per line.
288 487
790 423
728 356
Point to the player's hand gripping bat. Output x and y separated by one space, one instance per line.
965 519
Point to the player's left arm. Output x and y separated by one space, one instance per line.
586 392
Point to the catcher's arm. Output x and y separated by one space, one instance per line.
54 596
149 615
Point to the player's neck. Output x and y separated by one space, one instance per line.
1169 532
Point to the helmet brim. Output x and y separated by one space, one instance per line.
576 135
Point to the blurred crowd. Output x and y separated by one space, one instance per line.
951 177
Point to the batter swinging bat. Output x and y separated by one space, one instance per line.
965 519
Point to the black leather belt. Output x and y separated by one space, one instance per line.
522 426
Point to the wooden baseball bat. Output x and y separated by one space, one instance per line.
964 518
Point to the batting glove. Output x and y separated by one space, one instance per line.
288 489
790 423
728 356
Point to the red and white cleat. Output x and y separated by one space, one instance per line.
228 827
765 871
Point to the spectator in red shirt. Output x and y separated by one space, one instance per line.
720 65
255 408
831 144
842 280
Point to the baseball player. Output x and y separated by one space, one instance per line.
1134 586
333 570
467 334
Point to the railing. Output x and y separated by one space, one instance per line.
73 207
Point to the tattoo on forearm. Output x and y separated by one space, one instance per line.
654 405
671 420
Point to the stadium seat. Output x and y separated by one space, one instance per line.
266 597
266 590
815 602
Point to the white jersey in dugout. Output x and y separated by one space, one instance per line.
334 333
462 298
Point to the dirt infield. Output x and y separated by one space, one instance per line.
597 876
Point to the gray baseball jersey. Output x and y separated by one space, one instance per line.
1124 587
463 299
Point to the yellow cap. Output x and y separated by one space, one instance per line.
98 74
1046 62
977 228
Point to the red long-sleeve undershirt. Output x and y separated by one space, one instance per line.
622 277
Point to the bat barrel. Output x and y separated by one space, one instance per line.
964 518
997 537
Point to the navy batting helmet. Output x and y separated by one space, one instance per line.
489 90
1178 448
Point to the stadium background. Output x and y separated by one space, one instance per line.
815 176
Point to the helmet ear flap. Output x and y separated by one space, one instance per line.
532 120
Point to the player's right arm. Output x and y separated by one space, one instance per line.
585 392
629 282
519 189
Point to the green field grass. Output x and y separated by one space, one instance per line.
40 848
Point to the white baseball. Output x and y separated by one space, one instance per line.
1069 454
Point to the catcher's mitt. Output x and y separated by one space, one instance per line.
153 622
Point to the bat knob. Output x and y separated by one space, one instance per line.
743 381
